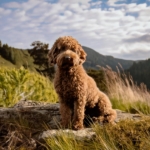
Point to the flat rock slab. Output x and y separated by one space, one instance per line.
121 115
38 113
86 133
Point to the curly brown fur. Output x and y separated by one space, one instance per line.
77 91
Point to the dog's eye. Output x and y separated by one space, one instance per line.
74 50
77 52
61 50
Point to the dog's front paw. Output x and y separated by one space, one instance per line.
99 119
78 126
65 125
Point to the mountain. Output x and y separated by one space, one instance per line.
140 71
94 59
13 57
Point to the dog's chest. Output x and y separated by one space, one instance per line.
69 87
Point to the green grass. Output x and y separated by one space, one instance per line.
6 63
131 107
18 83
126 135
64 142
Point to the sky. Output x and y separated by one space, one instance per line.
120 28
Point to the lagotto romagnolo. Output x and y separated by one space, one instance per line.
76 90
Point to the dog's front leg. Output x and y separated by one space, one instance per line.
66 113
78 116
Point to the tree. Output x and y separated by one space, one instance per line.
0 44
39 53
37 45
99 77
5 46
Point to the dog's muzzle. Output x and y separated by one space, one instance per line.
67 57
67 61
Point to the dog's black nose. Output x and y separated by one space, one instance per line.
67 57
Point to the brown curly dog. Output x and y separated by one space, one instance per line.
76 90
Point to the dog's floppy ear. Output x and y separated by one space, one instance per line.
82 55
53 54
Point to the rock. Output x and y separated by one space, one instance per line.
33 112
37 114
121 115
86 133
45 112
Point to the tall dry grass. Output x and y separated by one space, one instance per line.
125 93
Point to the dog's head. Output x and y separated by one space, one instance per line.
66 52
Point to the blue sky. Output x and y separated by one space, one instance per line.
120 28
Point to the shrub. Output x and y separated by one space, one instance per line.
18 83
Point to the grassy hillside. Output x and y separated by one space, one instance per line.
94 59
16 58
6 63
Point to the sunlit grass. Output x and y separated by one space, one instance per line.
16 84
126 135
132 107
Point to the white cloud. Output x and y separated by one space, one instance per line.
112 2
75 1
106 30
12 5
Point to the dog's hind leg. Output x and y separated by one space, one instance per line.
107 114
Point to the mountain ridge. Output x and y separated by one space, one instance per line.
18 57
104 61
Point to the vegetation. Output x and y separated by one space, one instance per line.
39 53
140 72
125 94
99 77
38 45
16 57
126 135
20 83
34 59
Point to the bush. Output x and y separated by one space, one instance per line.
18 83
99 77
